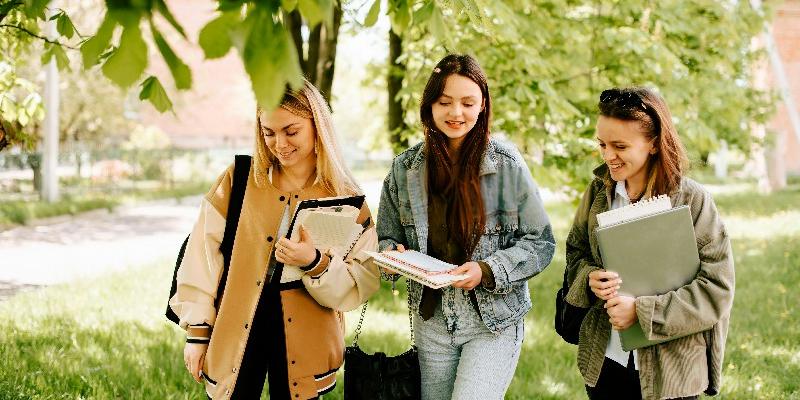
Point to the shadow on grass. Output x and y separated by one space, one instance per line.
124 360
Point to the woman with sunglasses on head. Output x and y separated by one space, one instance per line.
643 157
470 200
280 316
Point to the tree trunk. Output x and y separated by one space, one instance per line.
394 83
294 24
310 66
34 161
327 62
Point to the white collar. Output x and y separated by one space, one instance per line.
619 189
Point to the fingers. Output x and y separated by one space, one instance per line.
400 248
612 302
606 294
304 235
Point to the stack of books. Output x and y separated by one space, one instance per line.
419 267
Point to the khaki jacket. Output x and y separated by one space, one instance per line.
312 301
683 367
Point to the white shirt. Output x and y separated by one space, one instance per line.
614 348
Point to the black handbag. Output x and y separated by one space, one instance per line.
568 318
378 376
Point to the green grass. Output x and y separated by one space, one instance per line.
107 339
21 212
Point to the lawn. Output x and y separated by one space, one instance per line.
107 339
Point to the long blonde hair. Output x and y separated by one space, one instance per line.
332 172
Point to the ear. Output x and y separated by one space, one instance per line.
653 148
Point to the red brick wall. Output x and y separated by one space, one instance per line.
786 31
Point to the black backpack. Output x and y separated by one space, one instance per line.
568 318
241 172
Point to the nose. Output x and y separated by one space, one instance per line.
455 110
281 140
608 154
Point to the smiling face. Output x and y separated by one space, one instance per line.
457 109
625 149
290 138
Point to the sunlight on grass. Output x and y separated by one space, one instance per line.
107 338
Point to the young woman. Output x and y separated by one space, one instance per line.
469 200
282 318
643 157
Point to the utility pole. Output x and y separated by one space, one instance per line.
50 138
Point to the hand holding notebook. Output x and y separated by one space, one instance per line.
419 267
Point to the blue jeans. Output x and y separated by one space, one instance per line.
468 361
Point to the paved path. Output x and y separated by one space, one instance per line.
70 248
93 243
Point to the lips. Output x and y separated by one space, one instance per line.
454 124
286 154
615 167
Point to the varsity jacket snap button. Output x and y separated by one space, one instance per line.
246 325
294 384
269 238
290 320
292 362
258 283
283 198
296 196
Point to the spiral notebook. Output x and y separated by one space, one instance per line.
420 267
652 247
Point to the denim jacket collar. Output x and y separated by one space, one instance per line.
488 162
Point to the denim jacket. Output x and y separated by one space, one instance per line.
517 242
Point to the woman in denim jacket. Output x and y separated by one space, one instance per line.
471 201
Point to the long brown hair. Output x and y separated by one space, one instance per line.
644 105
460 181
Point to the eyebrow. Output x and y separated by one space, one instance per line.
611 142
284 128
463 98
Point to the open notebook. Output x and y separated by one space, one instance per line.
420 267
653 249
330 227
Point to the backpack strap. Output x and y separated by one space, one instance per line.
241 172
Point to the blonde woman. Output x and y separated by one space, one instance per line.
280 316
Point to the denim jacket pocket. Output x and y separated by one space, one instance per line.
409 229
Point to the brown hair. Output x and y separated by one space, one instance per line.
466 218
644 105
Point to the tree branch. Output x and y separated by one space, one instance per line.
37 36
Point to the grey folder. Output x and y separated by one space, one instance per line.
652 255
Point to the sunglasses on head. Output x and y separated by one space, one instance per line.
622 99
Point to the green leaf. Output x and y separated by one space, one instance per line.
35 8
311 11
92 48
372 15
438 29
289 5
153 92
401 17
424 13
55 50
165 12
62 61
215 37
270 59
65 26
180 71
126 64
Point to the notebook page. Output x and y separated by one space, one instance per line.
330 227
636 210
